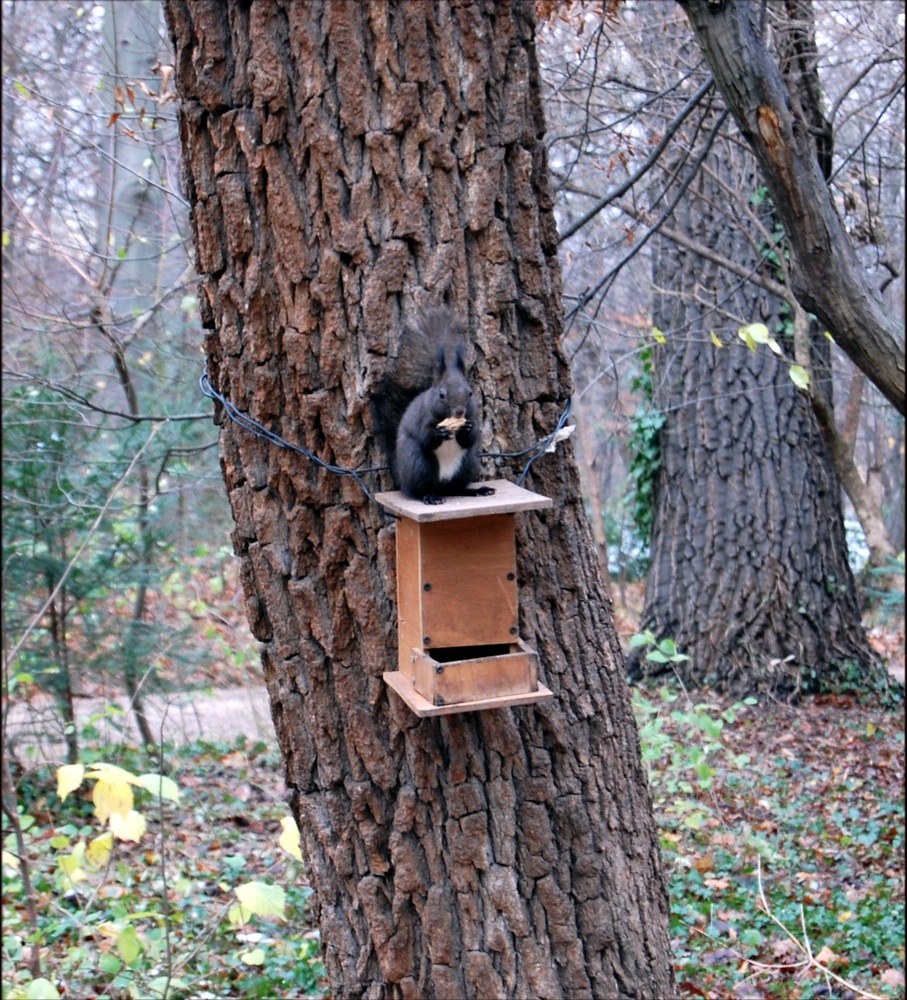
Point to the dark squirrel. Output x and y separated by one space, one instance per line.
425 413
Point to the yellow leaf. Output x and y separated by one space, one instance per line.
128 827
109 799
98 851
799 376
715 340
238 915
40 989
289 839
69 777
160 786
844 917
263 900
71 864
658 335
758 332
256 957
11 860
128 945
112 774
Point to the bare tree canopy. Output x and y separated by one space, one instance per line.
828 279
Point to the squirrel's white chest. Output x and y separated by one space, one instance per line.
449 455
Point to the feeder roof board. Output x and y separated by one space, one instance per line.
506 499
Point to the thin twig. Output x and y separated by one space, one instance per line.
805 948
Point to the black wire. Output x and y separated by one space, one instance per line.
259 430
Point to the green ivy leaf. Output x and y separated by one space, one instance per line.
755 333
128 945
109 964
164 986
711 727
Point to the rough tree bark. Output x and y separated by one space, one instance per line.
347 162
828 279
749 572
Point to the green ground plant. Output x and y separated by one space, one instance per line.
130 904
782 833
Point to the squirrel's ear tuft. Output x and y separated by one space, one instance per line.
440 362
460 357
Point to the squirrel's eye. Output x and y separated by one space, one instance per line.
442 393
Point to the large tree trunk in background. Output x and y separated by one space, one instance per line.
749 572
346 162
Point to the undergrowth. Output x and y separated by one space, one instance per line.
782 833
197 893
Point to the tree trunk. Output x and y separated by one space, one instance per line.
749 572
348 163
828 279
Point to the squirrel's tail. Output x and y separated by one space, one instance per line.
413 370
420 345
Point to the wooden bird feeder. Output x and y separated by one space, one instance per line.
460 649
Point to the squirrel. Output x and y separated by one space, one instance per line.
426 413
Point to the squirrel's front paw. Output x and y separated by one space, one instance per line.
485 491
432 499
466 435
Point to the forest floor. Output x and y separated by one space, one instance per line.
782 833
